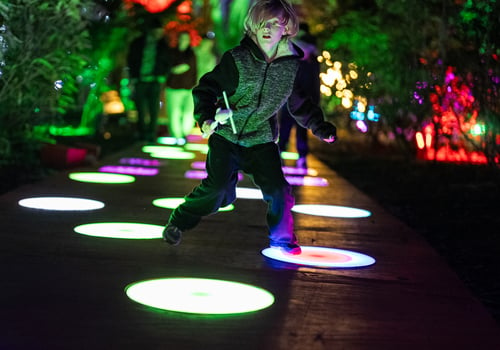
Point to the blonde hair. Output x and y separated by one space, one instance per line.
263 10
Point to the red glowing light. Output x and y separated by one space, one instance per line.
447 137
153 6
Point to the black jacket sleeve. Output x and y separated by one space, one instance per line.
309 114
224 77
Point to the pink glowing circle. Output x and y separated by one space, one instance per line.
321 257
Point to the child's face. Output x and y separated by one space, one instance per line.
270 31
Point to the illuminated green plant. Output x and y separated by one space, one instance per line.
42 46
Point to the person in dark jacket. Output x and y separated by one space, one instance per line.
258 76
148 64
308 77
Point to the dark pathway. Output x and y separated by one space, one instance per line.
64 290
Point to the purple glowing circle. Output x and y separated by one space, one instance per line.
307 181
140 161
202 174
199 165
195 138
130 170
289 170
321 257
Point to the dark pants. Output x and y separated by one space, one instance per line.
147 101
286 124
224 159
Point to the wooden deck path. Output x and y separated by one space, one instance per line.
63 290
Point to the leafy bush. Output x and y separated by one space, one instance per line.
42 49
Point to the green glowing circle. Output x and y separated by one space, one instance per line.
290 155
168 152
97 177
174 202
173 155
200 147
121 230
199 295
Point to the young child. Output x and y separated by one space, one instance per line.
258 77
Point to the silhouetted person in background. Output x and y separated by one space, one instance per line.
180 82
308 77
148 63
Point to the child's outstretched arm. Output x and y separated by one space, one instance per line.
224 77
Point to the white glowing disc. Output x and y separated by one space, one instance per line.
321 257
199 295
330 211
61 203
123 230
248 193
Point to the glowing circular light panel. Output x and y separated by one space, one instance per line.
96 177
321 257
290 155
61 203
170 141
334 211
130 170
202 174
172 203
161 149
198 165
200 147
306 181
199 296
140 161
289 170
173 155
248 193
122 230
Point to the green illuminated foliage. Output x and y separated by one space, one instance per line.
42 46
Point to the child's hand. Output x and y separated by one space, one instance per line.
208 127
330 139
326 132
222 115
